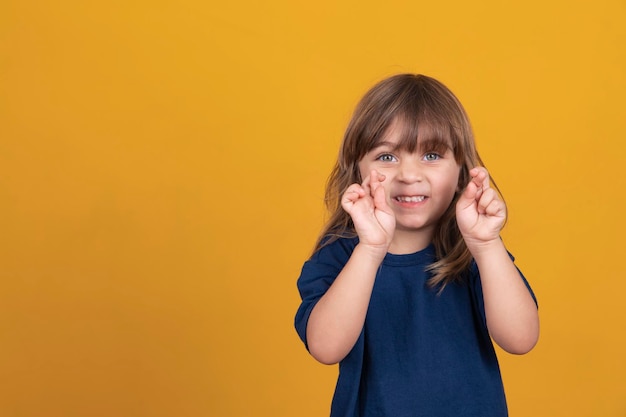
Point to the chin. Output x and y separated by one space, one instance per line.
412 226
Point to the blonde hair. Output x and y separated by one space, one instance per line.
427 112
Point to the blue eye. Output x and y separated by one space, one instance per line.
387 157
431 156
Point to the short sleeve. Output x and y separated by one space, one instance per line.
477 288
317 275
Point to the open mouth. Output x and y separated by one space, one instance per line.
410 198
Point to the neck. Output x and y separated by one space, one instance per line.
410 241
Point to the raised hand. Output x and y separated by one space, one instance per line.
373 219
337 319
510 310
480 212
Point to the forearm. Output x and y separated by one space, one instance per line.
337 319
511 312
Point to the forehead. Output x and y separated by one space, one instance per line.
415 136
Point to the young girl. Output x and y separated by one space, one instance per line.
410 281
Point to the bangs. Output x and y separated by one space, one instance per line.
417 134
423 115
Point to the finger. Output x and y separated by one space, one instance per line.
480 177
367 183
470 195
485 199
488 199
380 198
376 181
353 193
495 208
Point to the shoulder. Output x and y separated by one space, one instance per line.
326 263
334 251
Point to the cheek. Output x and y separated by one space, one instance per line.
462 179
451 183
365 169
390 175
363 172
456 180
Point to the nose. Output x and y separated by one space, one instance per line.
410 171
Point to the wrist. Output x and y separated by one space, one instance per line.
374 252
485 249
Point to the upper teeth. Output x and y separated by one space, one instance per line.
413 199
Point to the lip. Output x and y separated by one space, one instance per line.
410 200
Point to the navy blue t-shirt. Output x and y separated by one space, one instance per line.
421 352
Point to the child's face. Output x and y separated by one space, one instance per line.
419 186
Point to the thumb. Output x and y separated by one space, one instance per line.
470 195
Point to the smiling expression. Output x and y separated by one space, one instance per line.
419 185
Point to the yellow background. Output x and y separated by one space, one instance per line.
162 166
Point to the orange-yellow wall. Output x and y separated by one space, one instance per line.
162 166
